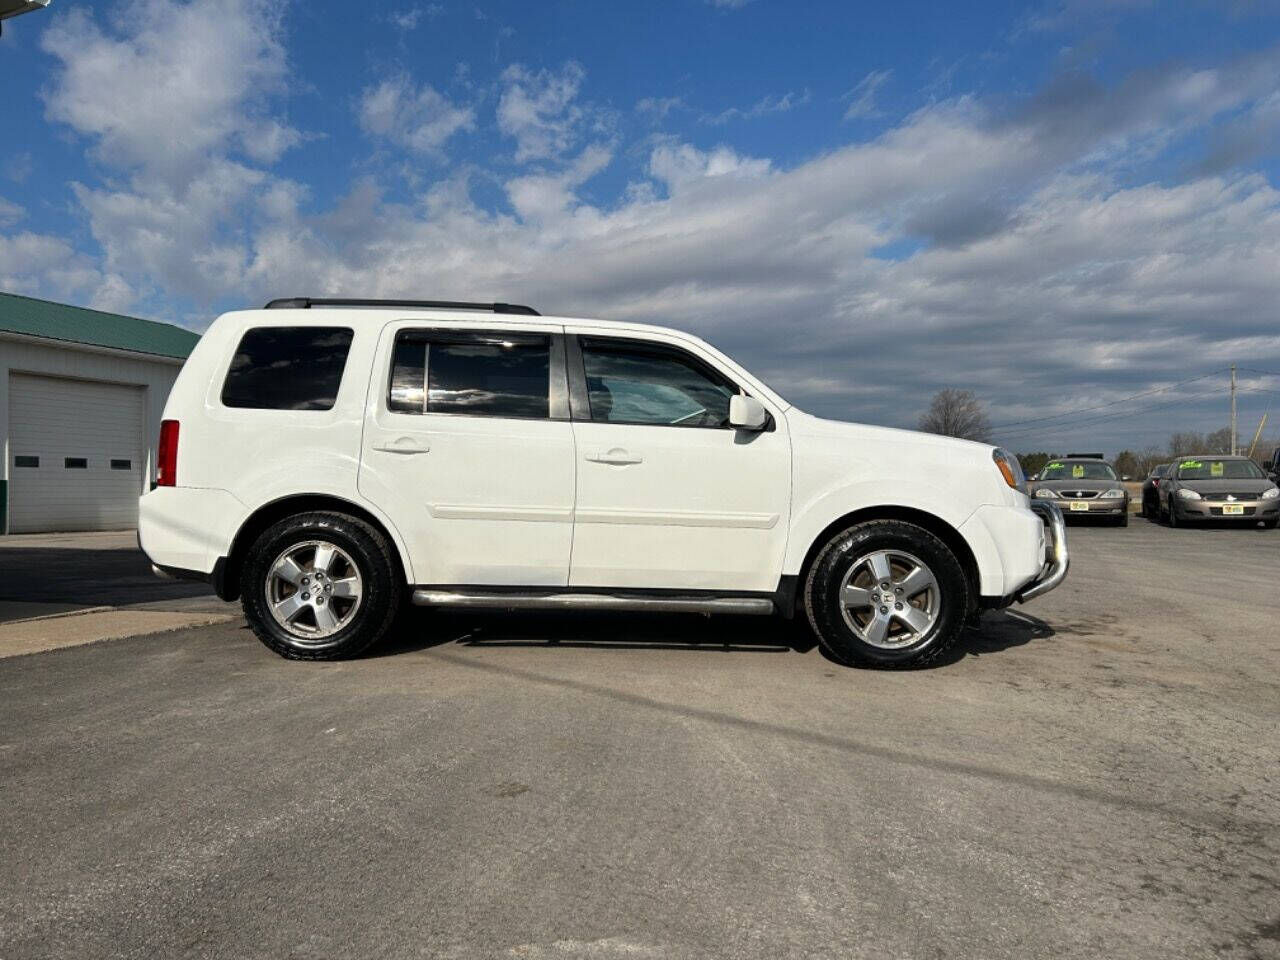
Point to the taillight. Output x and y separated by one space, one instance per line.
1155 482
167 455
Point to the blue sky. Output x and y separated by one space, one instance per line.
1055 204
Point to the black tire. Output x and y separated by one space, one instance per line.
1146 510
1123 519
845 551
1270 524
1173 514
379 576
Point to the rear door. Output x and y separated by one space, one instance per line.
468 448
670 496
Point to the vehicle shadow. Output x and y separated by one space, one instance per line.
86 576
422 629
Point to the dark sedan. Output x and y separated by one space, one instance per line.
1151 491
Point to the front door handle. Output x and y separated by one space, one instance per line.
614 455
403 445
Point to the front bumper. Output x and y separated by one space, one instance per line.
1057 559
1093 507
1215 509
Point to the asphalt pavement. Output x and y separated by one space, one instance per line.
1092 775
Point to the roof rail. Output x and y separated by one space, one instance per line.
306 303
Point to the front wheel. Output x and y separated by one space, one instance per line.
320 586
887 594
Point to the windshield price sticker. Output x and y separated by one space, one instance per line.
1215 468
1193 464
1077 470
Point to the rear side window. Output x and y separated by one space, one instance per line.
287 368
482 376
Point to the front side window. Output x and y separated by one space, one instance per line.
484 376
653 385
287 368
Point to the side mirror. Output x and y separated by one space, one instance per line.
747 413
1126 478
1033 478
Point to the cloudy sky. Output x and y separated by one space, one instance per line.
1059 205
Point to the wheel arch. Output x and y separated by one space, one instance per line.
227 581
939 527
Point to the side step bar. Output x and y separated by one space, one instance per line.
591 601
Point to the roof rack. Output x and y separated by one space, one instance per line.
306 303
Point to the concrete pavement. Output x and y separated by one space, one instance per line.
1093 775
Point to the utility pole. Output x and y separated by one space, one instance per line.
1235 447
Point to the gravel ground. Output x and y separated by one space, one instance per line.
1094 774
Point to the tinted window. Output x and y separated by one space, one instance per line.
640 384
481 377
287 368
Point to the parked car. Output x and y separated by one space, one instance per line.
1218 488
1151 491
1084 486
323 460
1272 465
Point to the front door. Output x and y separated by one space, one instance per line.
468 449
670 496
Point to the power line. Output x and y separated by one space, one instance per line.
1102 418
1112 403
1106 417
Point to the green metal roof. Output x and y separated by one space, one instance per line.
59 321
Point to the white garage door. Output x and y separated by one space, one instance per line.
75 454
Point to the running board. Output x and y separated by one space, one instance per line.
591 601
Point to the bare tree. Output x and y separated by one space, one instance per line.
1189 442
957 413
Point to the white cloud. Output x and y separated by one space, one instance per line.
408 19
539 112
762 107
657 108
173 82
10 213
421 119
862 98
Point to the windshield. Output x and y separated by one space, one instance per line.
1219 470
1091 470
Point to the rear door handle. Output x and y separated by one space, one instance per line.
615 455
403 445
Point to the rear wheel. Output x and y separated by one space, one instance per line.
320 586
886 593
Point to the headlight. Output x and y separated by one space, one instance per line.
1271 494
1187 494
1010 469
1112 494
1043 494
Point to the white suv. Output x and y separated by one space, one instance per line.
326 460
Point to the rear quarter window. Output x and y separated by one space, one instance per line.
287 368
